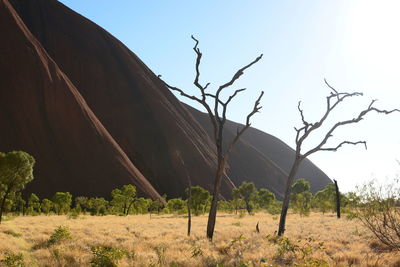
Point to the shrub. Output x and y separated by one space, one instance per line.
74 214
105 256
13 260
60 234
297 254
379 211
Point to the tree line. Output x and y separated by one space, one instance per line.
17 168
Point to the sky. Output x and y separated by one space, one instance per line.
355 45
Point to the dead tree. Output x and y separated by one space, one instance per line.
189 200
217 114
337 199
332 101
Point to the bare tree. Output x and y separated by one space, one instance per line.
189 200
217 114
332 101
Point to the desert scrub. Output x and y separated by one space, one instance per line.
296 253
105 256
13 260
60 234
160 252
379 211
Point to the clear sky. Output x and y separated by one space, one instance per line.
354 44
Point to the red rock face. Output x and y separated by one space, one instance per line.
95 117
42 113
144 118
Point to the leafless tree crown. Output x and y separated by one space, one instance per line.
217 112
332 101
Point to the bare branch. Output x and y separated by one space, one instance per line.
306 124
344 143
256 109
231 82
238 74
340 97
180 91
233 95
198 61
341 123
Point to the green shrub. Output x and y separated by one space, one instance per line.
104 256
74 214
296 254
379 211
13 260
60 234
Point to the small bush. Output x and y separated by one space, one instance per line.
379 211
160 252
13 260
59 235
296 254
104 256
73 215
351 215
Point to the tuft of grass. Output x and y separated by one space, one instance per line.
60 234
13 260
106 256
227 248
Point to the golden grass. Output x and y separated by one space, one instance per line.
162 240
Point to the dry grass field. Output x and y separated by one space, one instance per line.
162 241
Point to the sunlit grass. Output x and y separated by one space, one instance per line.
162 240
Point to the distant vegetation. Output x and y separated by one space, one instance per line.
123 201
375 207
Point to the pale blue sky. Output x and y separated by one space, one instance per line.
355 45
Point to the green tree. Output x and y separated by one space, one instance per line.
33 204
265 198
237 201
62 202
82 204
46 206
301 197
248 191
16 170
97 205
155 206
300 186
123 198
18 203
176 205
324 200
350 200
200 197
141 205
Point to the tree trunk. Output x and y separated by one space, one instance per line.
125 208
214 203
189 204
285 204
248 208
129 208
337 199
3 201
